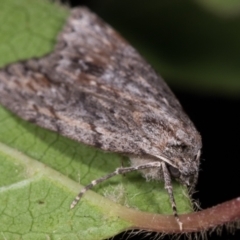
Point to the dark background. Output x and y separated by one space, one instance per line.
217 118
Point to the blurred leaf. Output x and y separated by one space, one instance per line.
230 8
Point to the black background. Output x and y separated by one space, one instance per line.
217 119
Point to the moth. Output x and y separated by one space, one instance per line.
96 89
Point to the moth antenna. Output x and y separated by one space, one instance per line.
168 187
118 171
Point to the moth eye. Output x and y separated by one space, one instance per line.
174 172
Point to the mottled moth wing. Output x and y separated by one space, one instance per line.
95 88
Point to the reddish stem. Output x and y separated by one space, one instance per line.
192 222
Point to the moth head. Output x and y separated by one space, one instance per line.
183 150
186 172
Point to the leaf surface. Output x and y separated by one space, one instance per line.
40 171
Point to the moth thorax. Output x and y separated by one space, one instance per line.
149 173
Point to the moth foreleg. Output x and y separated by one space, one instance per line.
168 187
123 170
118 171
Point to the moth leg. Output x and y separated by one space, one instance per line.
118 171
168 187
122 165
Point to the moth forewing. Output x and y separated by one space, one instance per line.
95 88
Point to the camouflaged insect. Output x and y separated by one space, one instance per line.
95 88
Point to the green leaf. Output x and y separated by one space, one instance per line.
28 28
40 170
37 188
